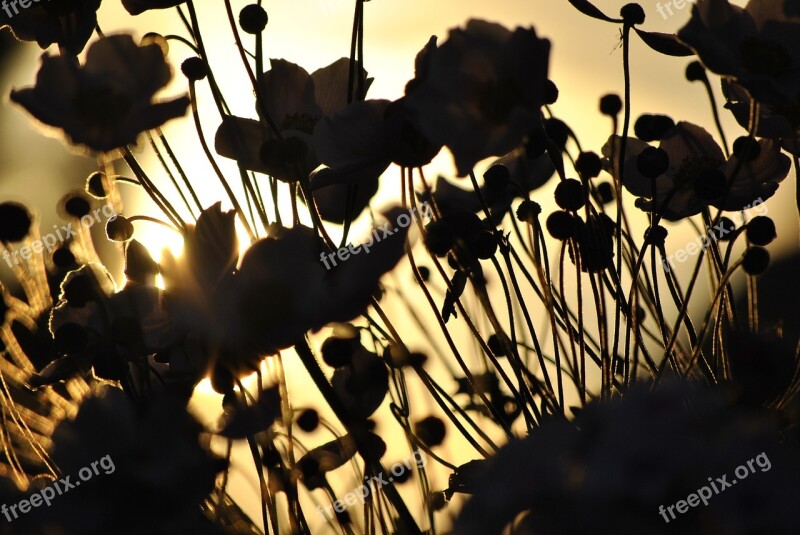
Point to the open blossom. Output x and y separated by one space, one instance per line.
357 144
106 103
67 23
284 290
780 123
758 46
479 93
296 102
697 175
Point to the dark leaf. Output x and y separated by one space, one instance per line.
665 43
587 8
458 283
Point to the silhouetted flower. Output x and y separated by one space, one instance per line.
617 462
285 290
779 123
758 46
106 103
690 172
67 23
199 286
480 92
296 102
95 325
153 476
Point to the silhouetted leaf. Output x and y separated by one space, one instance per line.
665 43
587 8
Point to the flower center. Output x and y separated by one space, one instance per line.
102 106
693 170
769 58
498 98
302 122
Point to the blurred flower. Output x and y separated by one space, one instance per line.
690 172
94 325
761 365
617 462
284 289
199 286
362 383
106 103
67 23
135 7
480 92
780 123
758 46
158 476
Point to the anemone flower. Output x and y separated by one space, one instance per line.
288 285
781 124
623 463
758 46
480 92
106 103
67 23
295 102
690 172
